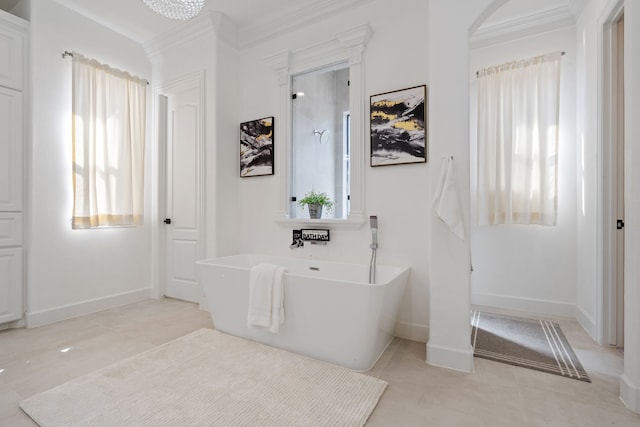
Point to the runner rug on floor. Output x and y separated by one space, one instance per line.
534 344
208 378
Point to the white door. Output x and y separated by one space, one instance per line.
10 150
183 218
620 185
11 159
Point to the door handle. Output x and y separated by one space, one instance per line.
167 221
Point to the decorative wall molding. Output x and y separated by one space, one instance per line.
535 23
11 229
346 46
355 40
630 394
587 323
289 19
576 6
530 305
208 25
15 22
280 63
412 331
56 314
450 358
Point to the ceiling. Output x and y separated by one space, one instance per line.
518 9
522 18
8 4
134 20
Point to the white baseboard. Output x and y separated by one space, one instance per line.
56 314
412 331
528 305
630 394
458 360
587 323
12 325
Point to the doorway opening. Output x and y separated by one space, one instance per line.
613 180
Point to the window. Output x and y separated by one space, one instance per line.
109 118
518 110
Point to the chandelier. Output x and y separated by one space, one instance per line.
176 9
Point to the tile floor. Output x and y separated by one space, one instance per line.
34 360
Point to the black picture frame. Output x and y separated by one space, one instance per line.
257 147
398 122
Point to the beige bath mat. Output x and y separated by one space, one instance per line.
208 378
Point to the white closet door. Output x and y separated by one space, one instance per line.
10 150
10 284
11 52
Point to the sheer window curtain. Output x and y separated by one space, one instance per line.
109 119
518 111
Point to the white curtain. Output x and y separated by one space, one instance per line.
109 114
518 109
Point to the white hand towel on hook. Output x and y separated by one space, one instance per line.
447 200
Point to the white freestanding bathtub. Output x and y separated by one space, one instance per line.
331 312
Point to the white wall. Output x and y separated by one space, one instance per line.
74 271
588 38
398 195
529 268
449 296
226 230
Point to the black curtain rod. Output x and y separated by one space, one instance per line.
67 53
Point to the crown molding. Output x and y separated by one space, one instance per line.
347 45
15 22
577 6
289 19
359 35
548 20
225 28
280 63
208 24
116 27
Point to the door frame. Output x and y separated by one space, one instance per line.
608 196
160 118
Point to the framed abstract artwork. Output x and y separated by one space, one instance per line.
256 147
398 127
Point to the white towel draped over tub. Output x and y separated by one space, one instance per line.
266 297
447 199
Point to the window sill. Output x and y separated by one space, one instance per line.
353 222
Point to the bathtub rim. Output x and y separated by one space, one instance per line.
401 270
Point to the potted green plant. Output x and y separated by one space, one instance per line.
315 201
